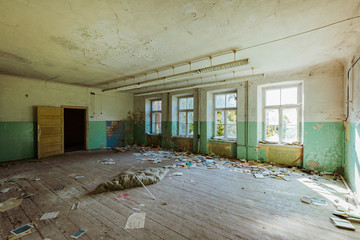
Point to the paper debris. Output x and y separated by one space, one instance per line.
106 161
14 237
78 234
49 215
122 196
305 200
75 206
78 177
319 202
37 179
5 190
259 175
142 205
342 223
136 209
247 171
10 204
21 230
178 174
135 220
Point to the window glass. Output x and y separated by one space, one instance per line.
190 117
182 129
289 124
156 105
231 117
289 96
191 129
272 97
231 130
182 103
220 131
231 100
219 116
220 101
272 116
182 117
190 103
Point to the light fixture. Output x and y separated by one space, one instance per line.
177 76
209 84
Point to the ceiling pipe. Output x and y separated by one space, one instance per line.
177 76
210 84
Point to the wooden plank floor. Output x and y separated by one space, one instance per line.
201 204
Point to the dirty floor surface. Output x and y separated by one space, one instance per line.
201 204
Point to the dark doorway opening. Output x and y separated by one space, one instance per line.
74 129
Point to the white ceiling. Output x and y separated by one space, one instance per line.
88 42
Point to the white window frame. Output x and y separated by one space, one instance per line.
225 109
187 112
281 107
153 131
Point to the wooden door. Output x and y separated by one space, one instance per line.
50 129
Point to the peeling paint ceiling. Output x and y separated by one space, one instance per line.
93 43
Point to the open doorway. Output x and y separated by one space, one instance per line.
75 128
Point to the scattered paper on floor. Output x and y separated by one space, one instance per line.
10 204
135 220
49 215
78 234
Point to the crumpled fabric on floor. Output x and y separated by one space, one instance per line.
127 179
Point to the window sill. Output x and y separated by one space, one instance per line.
153 134
184 137
223 140
279 145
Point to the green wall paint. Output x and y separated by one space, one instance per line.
323 142
323 146
352 161
97 134
18 140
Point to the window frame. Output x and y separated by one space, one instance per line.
298 106
225 110
186 111
153 131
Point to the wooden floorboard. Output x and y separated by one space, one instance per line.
201 204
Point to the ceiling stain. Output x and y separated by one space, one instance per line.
15 57
65 43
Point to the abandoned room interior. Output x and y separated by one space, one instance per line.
180 119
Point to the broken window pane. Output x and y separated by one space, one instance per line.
220 101
220 130
219 116
231 130
231 100
190 103
289 95
182 103
182 117
272 97
290 116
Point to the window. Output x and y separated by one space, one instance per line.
282 113
186 116
155 113
225 115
